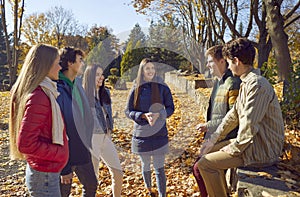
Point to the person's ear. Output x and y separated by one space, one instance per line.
223 63
69 63
236 61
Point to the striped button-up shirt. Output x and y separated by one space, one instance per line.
257 113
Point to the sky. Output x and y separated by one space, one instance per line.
117 15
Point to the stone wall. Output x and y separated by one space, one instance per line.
191 87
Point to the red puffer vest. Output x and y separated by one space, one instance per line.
35 136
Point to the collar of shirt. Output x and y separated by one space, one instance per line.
246 76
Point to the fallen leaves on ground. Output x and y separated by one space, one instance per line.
184 148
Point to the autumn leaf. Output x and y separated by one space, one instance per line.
265 174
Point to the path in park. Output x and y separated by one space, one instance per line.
184 145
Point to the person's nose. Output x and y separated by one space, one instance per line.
208 65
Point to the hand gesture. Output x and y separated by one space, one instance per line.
226 149
201 127
66 179
154 118
206 147
151 117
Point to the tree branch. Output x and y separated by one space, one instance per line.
291 21
291 12
21 20
226 18
249 28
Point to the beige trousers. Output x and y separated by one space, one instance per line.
104 149
212 166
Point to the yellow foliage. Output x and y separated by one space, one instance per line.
4 107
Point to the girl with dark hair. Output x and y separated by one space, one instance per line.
102 145
150 103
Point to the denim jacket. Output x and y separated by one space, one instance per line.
104 115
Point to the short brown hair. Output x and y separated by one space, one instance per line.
68 54
215 52
241 48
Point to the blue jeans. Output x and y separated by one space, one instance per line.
45 184
158 164
87 178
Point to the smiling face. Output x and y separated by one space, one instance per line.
55 68
216 67
76 66
148 71
99 78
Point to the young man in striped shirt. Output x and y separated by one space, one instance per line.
257 112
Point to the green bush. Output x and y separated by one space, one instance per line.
113 79
270 71
114 71
185 66
290 105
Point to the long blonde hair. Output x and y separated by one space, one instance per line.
36 67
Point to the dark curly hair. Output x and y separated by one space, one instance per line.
241 48
68 54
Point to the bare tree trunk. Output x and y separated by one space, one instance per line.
264 44
18 15
14 66
264 47
275 24
8 50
